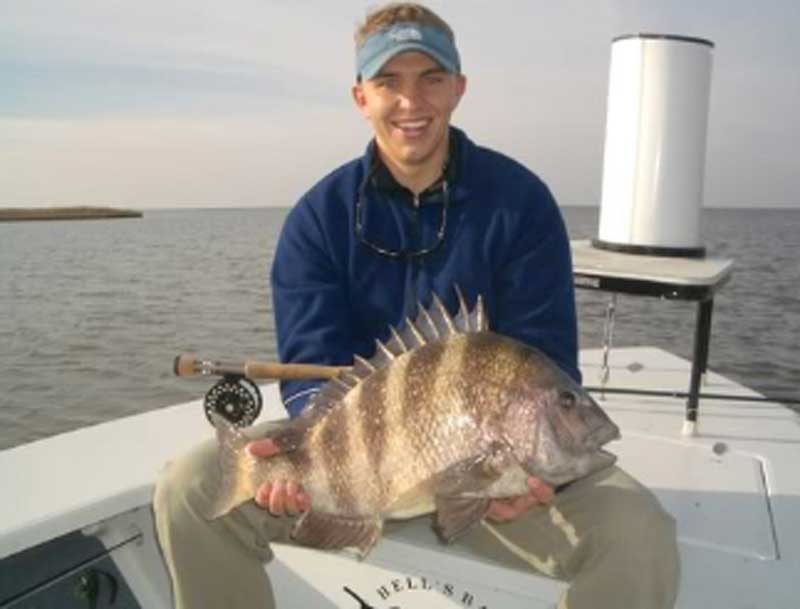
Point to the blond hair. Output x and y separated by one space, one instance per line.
399 12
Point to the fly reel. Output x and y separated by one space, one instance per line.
234 398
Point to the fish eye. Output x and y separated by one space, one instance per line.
568 399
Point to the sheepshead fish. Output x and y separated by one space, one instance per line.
444 417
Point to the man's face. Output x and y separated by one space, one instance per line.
409 103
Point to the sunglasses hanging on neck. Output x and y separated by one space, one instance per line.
389 252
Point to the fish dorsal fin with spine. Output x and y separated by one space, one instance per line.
431 324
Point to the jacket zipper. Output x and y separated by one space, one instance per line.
411 299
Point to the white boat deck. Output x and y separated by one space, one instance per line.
733 488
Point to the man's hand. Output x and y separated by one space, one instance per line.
282 497
507 510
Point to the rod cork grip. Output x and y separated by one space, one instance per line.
265 370
184 364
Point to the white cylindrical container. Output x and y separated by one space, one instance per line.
655 146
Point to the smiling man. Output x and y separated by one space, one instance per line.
422 210
408 100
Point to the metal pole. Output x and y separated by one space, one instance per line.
608 340
702 336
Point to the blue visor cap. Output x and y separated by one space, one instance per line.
388 42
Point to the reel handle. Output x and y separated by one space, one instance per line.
188 364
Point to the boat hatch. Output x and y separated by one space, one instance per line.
717 494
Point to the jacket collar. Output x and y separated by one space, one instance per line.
455 171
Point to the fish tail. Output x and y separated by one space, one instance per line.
236 467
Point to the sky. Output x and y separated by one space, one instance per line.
188 103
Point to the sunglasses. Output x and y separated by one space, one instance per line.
399 253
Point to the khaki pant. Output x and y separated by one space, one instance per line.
606 534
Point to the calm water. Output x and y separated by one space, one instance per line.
93 313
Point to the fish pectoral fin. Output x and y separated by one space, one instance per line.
457 506
333 532
455 514
474 474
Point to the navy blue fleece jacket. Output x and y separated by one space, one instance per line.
505 239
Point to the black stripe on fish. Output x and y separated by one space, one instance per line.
373 413
416 410
335 448
301 461
422 362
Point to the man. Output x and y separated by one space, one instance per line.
422 210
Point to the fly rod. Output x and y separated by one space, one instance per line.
684 394
188 364
236 396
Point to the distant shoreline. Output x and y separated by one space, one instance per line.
65 213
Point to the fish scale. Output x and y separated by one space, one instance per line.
445 416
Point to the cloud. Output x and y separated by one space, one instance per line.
197 102
95 89
88 58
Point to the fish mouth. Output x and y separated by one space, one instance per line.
602 435
583 466
604 459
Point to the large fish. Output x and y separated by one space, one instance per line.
445 416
